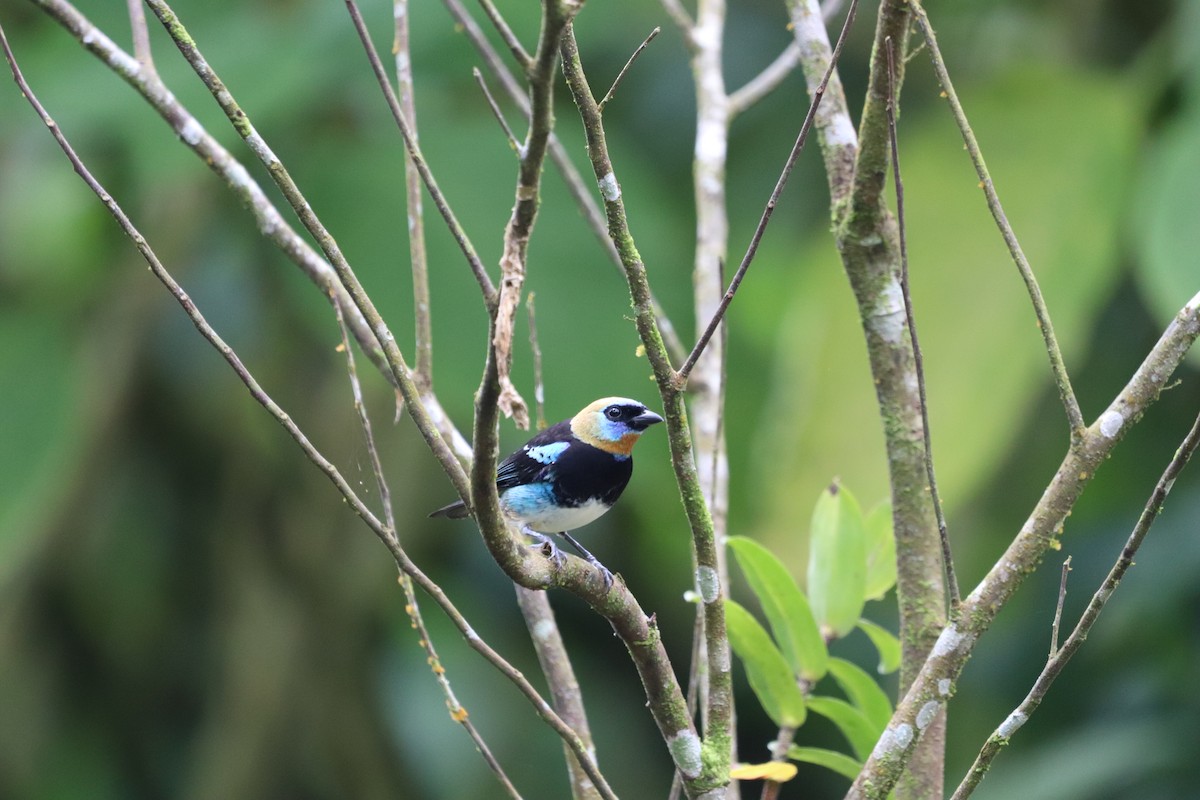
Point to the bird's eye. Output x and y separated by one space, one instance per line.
613 412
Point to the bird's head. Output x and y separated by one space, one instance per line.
613 424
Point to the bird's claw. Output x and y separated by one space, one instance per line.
541 541
550 550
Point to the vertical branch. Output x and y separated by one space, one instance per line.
539 384
867 239
565 693
141 36
706 36
713 756
423 364
918 359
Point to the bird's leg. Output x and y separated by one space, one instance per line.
591 559
545 544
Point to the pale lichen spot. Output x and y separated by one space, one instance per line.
840 131
191 132
943 686
1012 724
1111 423
893 740
609 188
708 583
543 630
949 641
685 752
926 714
887 317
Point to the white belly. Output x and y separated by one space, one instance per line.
556 520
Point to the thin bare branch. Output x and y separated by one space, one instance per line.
560 677
249 193
524 60
414 150
1058 607
766 81
621 75
1057 365
752 249
496 112
539 385
141 35
422 315
1059 658
680 17
702 776
918 358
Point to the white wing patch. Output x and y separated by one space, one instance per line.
546 453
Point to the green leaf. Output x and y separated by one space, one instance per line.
864 692
840 763
853 724
767 670
881 551
837 562
887 645
791 618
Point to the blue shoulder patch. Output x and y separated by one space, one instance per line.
547 453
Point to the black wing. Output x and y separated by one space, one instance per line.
519 469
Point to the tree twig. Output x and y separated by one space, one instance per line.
918 358
539 385
703 776
141 36
506 34
1058 607
414 151
422 314
1057 365
681 18
496 112
1059 658
752 249
621 75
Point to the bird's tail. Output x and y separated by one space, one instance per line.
456 510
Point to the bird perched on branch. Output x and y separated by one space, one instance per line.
569 474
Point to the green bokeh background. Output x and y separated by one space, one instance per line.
187 609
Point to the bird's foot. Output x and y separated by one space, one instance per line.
591 559
540 541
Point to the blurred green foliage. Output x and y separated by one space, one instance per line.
188 610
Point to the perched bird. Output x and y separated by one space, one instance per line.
569 474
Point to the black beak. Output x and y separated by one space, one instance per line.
645 420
